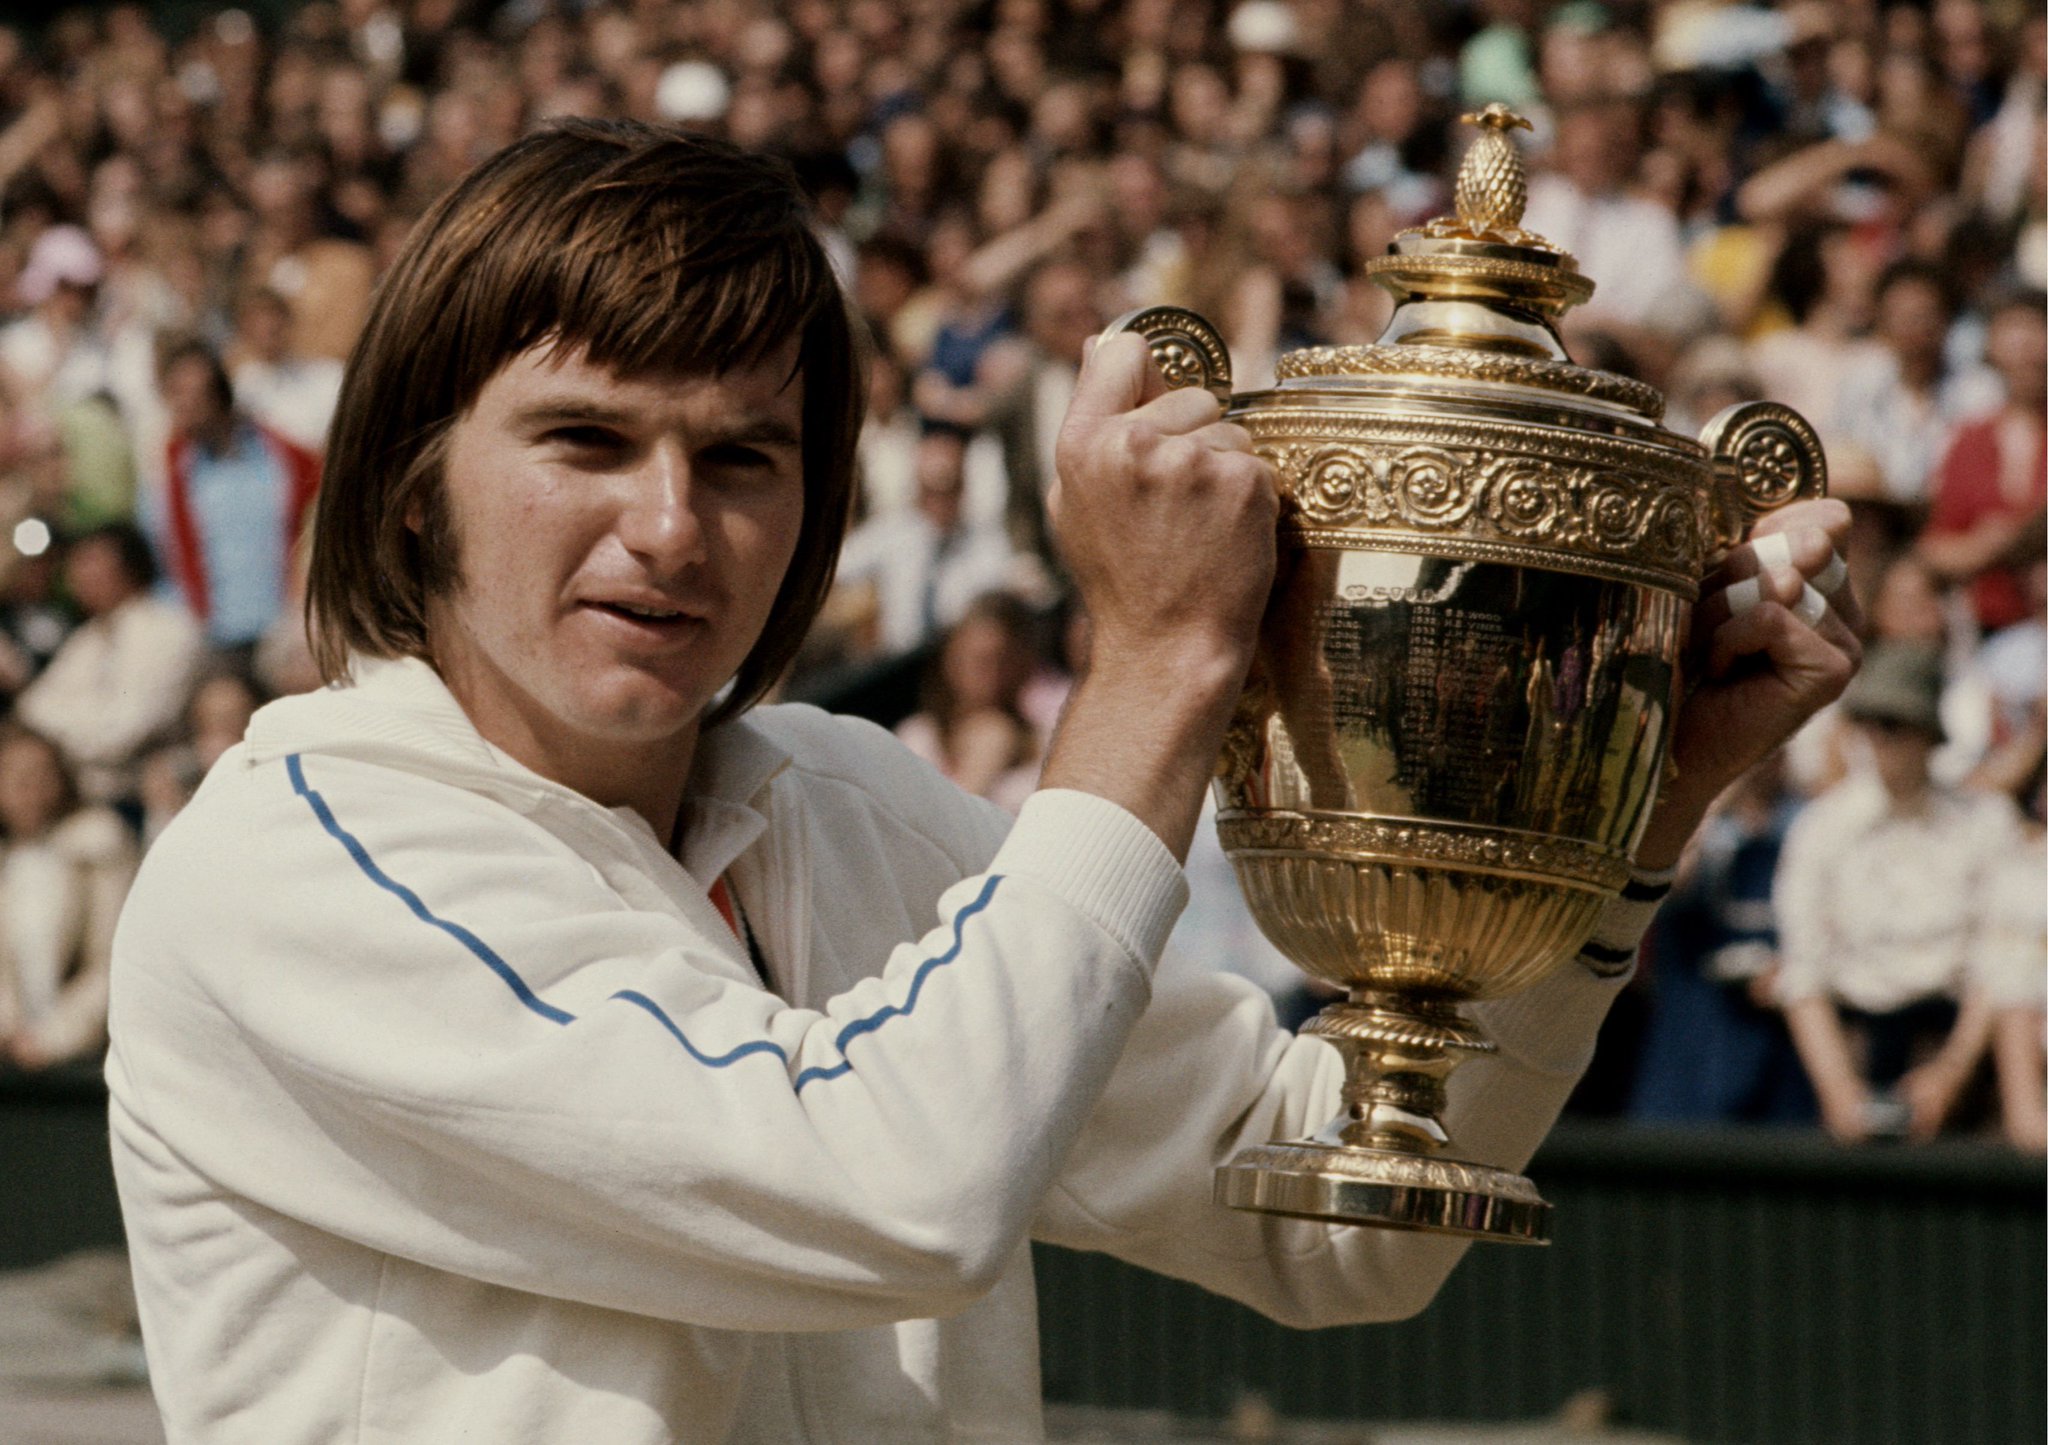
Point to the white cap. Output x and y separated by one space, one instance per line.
692 90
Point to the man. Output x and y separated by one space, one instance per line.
118 683
294 395
1897 402
1585 206
1876 997
928 561
235 498
526 1041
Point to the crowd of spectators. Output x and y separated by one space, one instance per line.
1838 205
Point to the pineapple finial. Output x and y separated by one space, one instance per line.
1492 185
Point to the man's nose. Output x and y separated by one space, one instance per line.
660 523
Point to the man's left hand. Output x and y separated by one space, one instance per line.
1768 656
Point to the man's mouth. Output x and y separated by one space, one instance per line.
642 613
656 614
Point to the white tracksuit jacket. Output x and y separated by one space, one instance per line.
447 1108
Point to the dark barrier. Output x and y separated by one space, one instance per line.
56 1177
1727 1286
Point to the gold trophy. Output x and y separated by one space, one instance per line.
1456 723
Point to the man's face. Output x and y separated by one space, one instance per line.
619 545
189 397
1912 318
98 580
941 458
2017 348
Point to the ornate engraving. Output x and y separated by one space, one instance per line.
1548 285
1187 350
1455 364
1765 455
1644 521
1402 1170
1380 839
1415 1030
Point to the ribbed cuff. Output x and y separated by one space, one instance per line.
1103 861
1611 950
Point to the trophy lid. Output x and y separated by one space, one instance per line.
1476 296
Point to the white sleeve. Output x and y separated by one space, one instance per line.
402 1015
1207 1072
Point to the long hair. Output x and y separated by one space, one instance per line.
650 251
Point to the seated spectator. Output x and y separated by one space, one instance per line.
236 495
55 355
120 680
65 867
215 721
1875 995
1716 1049
928 562
1992 487
1897 401
972 727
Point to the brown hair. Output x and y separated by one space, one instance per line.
653 251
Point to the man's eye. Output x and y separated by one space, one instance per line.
587 438
735 455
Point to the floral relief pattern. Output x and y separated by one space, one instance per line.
1490 495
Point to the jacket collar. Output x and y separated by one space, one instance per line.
398 711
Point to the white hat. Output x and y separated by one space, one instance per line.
1264 27
61 256
692 90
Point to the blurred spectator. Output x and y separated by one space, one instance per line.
291 394
327 279
65 867
972 726
54 356
1031 378
215 721
1589 206
1716 1049
1993 483
236 498
1876 996
119 681
33 621
927 563
1896 403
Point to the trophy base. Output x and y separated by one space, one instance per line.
1343 1184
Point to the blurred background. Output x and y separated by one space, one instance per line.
1800 1196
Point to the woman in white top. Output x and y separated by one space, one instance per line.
64 872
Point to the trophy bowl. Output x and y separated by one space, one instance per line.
1456 722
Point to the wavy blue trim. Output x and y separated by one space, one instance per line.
412 901
758 1046
548 1011
888 1011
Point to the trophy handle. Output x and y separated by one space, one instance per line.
1764 456
1186 348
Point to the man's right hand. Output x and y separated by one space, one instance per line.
1165 518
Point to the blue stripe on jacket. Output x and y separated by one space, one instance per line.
534 1003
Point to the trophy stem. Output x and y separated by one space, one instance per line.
1377 1162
